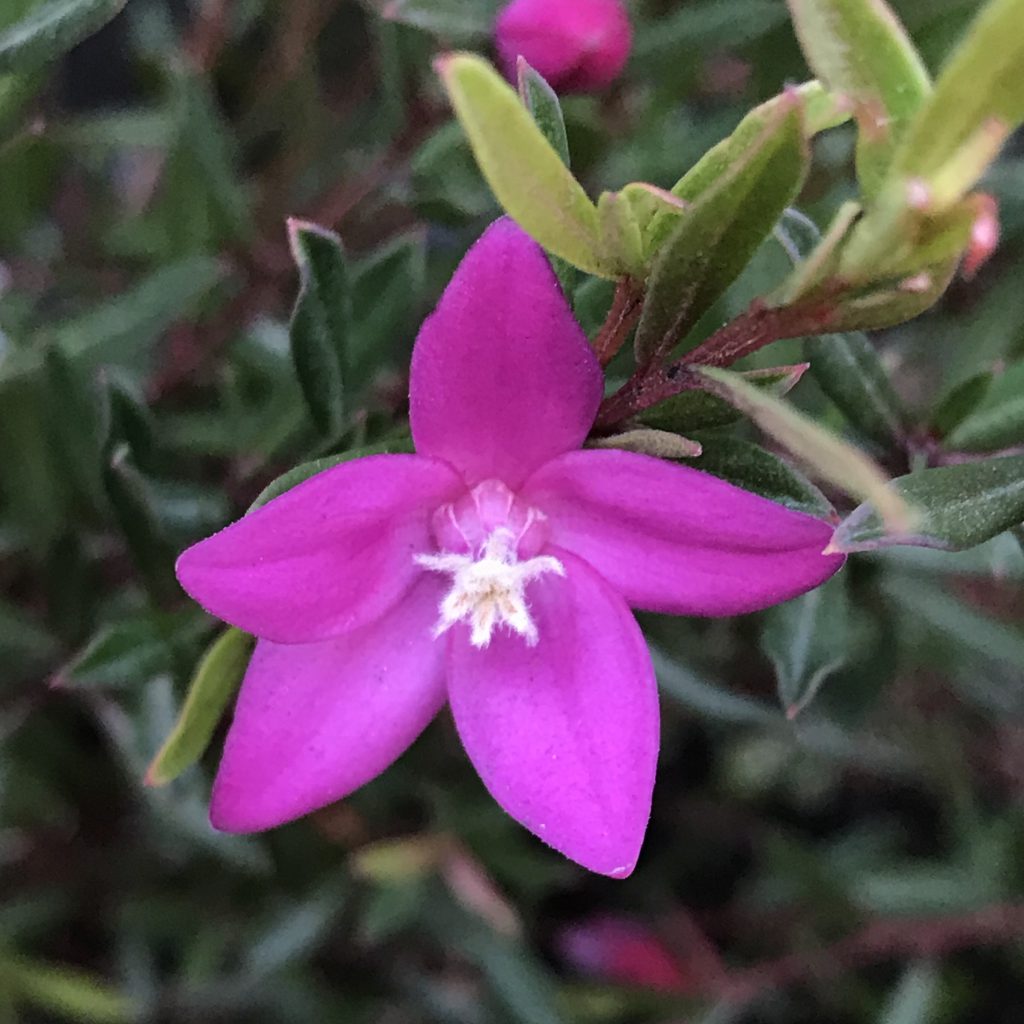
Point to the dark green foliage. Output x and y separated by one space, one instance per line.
837 832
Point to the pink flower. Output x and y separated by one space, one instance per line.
493 570
577 45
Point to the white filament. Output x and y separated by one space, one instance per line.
489 590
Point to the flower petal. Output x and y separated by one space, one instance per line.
564 734
327 556
674 539
316 721
502 376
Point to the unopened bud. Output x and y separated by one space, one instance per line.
577 45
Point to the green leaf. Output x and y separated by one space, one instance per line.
461 21
998 419
808 640
50 30
542 102
662 444
217 678
958 507
749 466
718 160
66 993
295 476
915 999
701 410
983 637
848 370
133 650
960 402
829 456
859 49
708 698
320 323
620 239
522 168
139 521
212 163
124 325
980 81
716 237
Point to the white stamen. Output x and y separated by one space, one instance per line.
490 590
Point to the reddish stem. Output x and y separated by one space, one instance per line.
622 316
752 330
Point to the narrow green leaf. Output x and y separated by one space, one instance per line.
546 110
217 678
707 698
133 650
206 135
139 521
295 476
620 238
701 410
68 994
76 426
848 370
820 261
985 638
998 419
660 443
749 466
859 49
960 402
915 998
124 325
808 640
716 237
386 290
522 168
819 113
50 30
460 21
981 80
542 102
829 456
958 507
320 323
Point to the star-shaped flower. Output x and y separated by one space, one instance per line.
493 570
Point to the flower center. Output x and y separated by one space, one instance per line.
489 543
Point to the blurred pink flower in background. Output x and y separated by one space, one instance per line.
624 952
493 570
577 45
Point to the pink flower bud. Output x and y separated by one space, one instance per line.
577 45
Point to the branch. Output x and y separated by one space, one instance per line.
760 325
627 305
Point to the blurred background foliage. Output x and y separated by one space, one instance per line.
851 858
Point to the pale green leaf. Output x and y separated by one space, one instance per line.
217 678
522 168
829 456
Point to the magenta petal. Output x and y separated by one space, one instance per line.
502 376
577 45
565 734
316 721
674 539
325 557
